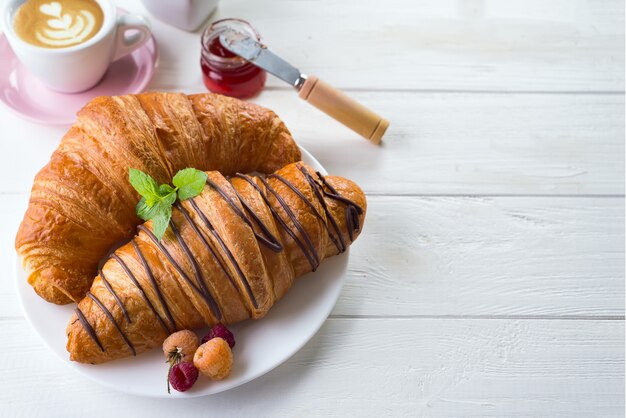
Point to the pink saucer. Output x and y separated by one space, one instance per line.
30 99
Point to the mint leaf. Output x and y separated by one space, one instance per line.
156 201
166 189
189 182
144 185
161 220
168 194
144 211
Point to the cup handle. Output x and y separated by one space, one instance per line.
127 44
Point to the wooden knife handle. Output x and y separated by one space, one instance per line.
344 109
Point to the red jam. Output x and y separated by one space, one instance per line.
224 72
216 48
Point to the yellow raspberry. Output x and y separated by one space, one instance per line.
214 359
180 346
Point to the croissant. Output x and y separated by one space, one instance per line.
228 254
82 204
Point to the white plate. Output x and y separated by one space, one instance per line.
261 345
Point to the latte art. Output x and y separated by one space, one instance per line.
65 29
58 24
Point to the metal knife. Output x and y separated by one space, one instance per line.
315 91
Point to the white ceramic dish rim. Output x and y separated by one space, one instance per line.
330 289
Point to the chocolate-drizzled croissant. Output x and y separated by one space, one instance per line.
81 202
228 254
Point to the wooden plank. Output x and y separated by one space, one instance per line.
488 256
26 148
462 256
437 143
12 208
512 45
505 45
383 367
472 144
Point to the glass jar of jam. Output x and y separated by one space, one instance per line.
224 72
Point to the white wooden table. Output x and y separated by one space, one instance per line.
489 280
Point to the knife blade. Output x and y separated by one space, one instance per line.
315 91
251 50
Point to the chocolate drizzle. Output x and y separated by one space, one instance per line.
321 188
315 262
204 291
117 298
87 326
110 316
337 240
271 241
226 250
351 207
353 211
131 276
195 227
155 285
280 220
206 296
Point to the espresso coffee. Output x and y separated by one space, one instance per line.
58 23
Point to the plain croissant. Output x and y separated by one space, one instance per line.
228 254
82 203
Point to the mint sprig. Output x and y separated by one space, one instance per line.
157 200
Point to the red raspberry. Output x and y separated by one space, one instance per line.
182 376
220 331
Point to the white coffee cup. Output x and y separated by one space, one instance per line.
78 68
